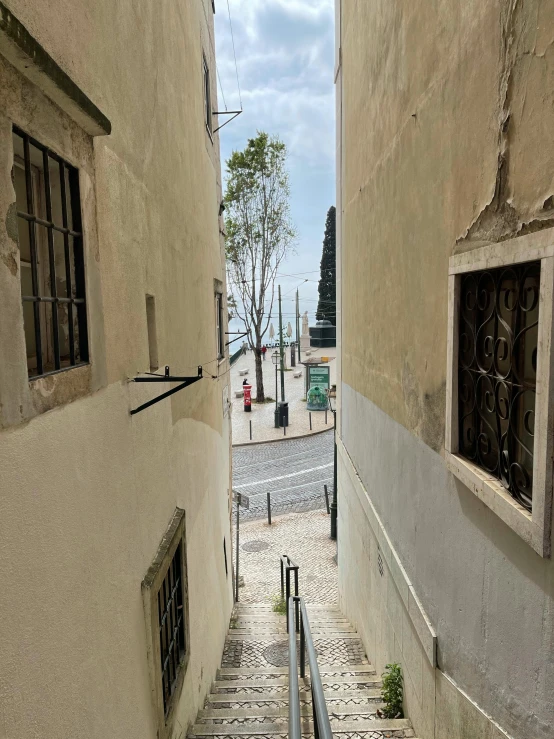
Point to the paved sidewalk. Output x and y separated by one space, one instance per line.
262 416
305 538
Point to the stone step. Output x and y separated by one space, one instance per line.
270 622
232 636
268 608
282 628
226 714
371 694
323 670
368 681
389 727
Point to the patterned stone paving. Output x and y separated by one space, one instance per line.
305 538
266 652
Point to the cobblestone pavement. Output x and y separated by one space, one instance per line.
262 416
305 538
293 472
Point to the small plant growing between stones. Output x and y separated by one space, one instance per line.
392 692
279 605
233 623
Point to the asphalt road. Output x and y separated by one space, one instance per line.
293 472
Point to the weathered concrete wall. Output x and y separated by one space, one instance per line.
447 113
87 490
446 109
487 595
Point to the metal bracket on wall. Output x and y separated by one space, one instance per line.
233 113
185 382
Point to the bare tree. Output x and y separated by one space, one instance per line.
259 234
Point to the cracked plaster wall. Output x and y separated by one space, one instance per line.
448 119
448 113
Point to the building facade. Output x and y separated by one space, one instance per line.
115 569
445 227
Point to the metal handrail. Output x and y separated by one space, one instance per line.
288 566
322 725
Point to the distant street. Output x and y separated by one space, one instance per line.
293 472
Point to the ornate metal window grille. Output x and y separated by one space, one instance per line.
51 257
498 330
171 614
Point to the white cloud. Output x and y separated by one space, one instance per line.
285 56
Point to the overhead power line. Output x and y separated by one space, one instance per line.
234 52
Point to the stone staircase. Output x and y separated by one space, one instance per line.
250 696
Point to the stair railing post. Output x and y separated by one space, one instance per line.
282 581
302 649
316 725
288 596
297 601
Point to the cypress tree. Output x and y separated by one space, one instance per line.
327 304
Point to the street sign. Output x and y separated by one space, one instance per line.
242 499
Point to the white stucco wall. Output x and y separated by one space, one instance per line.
86 489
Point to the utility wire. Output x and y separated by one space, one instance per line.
234 52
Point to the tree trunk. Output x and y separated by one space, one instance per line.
260 394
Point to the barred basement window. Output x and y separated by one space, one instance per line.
51 257
497 372
172 626
165 597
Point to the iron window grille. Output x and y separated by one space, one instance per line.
171 615
497 365
207 97
51 257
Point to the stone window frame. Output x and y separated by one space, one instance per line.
534 528
51 108
174 535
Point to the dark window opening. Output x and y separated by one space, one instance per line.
171 614
497 365
51 257
152 332
220 335
207 97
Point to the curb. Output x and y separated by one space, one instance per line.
281 438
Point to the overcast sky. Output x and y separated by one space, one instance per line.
285 57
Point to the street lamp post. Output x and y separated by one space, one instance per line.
333 505
275 360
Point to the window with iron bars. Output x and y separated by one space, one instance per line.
497 368
171 619
51 257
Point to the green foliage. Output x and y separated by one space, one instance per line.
327 304
279 605
259 233
392 692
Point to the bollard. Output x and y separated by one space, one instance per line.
326 416
284 429
250 430
310 420
326 498
269 508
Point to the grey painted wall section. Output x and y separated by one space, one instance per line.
489 596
